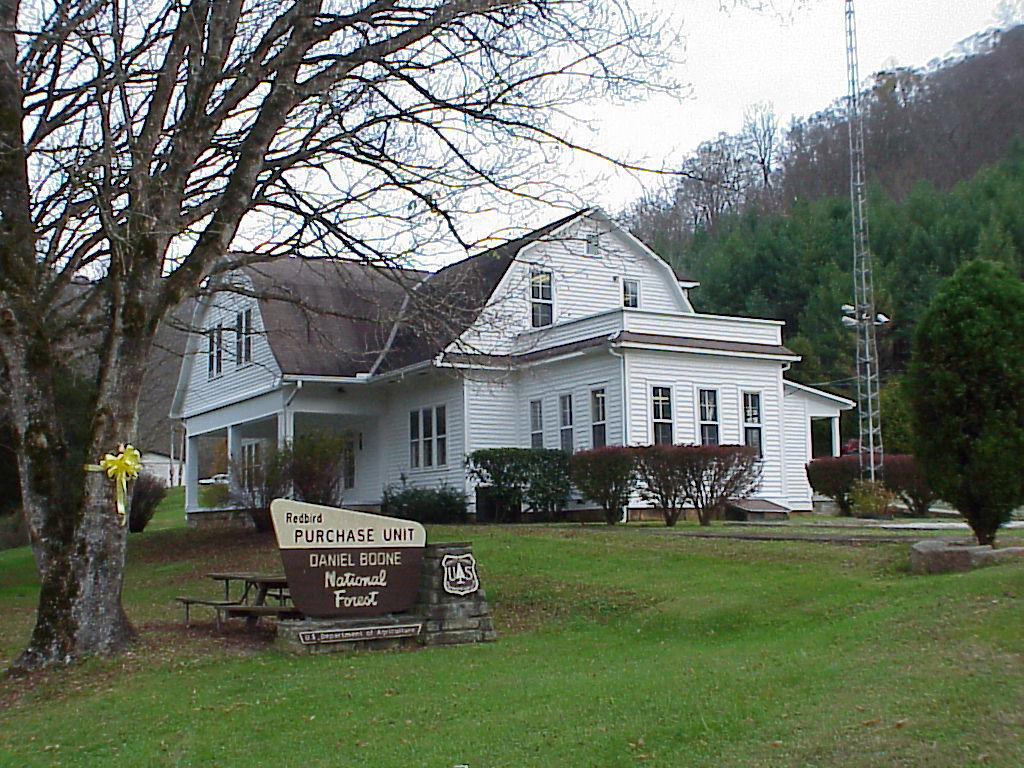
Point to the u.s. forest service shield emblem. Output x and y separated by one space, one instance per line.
460 574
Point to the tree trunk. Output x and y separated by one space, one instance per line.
78 539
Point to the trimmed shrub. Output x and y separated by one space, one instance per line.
870 499
606 476
538 476
147 493
663 478
714 474
505 472
549 485
905 477
834 476
444 505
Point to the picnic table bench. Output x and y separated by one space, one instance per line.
251 602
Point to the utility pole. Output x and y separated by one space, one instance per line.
863 310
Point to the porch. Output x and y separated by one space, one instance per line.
227 450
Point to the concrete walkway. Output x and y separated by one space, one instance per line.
843 531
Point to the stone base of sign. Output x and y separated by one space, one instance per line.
444 619
937 556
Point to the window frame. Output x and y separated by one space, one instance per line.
215 351
598 417
536 416
251 462
634 294
539 303
243 337
664 420
709 423
753 425
592 244
428 437
566 430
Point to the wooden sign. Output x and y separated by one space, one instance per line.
356 634
340 562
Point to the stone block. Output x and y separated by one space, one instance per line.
938 556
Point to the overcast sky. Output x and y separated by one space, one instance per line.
795 59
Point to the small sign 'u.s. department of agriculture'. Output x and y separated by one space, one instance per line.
340 562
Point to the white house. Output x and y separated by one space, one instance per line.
585 338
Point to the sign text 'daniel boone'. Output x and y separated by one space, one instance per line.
340 562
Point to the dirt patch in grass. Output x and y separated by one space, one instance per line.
534 602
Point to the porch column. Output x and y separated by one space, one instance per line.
835 435
285 428
191 473
234 456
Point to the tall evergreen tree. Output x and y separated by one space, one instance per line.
966 377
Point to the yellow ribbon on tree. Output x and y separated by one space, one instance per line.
120 467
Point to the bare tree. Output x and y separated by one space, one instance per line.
144 144
760 134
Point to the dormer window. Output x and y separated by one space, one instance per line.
541 304
243 337
593 246
631 294
214 351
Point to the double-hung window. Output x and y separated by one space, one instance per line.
593 246
215 351
752 422
536 424
348 466
252 464
598 419
428 437
631 294
661 412
542 309
565 435
243 337
708 406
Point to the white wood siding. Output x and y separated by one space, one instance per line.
687 374
582 284
798 450
718 327
235 382
358 411
576 377
492 402
416 393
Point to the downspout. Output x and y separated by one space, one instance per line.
284 414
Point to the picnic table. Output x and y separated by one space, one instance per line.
252 590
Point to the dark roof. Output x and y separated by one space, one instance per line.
154 433
450 300
329 317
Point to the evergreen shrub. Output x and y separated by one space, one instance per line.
147 493
441 506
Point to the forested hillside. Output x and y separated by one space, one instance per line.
762 219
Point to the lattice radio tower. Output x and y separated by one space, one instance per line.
862 314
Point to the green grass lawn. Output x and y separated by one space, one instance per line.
618 647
